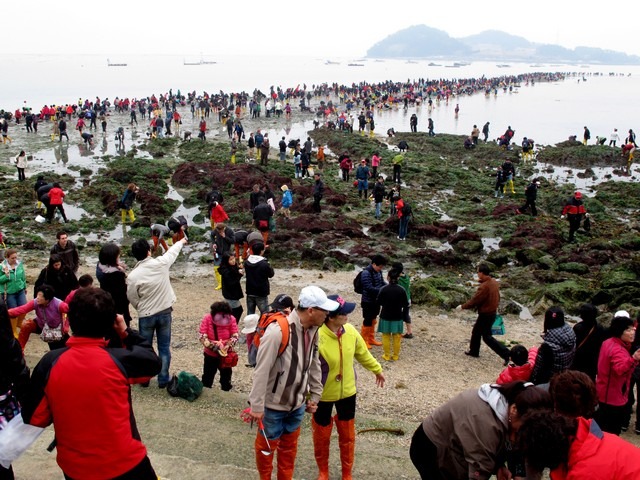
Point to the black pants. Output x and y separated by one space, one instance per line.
6 473
396 173
424 456
482 330
574 225
211 366
51 210
629 407
316 203
21 175
370 311
610 418
345 409
142 471
530 203
345 174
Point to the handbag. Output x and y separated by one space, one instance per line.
498 326
229 360
51 334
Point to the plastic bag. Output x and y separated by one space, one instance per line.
498 326
15 438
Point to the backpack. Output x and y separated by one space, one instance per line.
175 223
185 385
406 210
267 319
357 283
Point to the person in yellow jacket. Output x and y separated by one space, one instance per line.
339 344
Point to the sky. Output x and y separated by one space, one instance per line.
324 28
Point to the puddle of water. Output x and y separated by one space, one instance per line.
187 212
568 175
489 244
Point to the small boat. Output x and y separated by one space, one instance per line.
355 65
329 62
115 64
411 61
431 64
503 65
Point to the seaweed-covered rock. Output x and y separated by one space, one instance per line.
574 267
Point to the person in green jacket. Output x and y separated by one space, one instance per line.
13 285
339 344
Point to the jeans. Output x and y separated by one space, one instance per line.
404 224
160 323
378 206
277 423
16 299
261 302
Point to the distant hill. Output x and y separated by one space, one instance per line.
421 41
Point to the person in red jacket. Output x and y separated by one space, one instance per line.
574 210
84 389
56 196
576 449
521 365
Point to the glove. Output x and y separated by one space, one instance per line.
586 215
459 307
562 217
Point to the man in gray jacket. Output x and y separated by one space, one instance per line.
149 292
283 382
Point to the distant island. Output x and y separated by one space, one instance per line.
421 41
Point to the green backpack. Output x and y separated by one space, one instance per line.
185 385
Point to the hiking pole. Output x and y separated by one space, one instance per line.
52 445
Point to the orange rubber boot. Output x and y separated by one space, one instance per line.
264 463
287 450
372 335
347 442
321 444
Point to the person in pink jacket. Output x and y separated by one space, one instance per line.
615 366
218 334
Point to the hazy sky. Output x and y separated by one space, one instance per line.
325 28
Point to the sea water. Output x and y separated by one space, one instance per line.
600 97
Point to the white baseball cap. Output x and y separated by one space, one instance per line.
250 323
622 313
313 296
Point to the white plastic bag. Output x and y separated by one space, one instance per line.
40 219
15 438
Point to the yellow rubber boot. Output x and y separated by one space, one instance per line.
132 217
386 346
397 342
124 216
218 278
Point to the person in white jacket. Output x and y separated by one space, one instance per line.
614 137
149 292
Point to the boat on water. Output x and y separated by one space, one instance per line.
355 64
329 62
411 61
115 64
503 65
431 64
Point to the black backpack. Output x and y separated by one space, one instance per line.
357 283
406 210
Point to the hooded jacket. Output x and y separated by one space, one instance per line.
16 281
258 272
599 456
469 432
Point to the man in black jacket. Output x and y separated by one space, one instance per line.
531 192
257 272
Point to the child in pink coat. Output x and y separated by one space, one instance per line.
218 334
